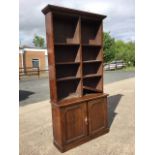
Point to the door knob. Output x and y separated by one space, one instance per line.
86 120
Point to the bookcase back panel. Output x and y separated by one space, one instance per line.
66 29
92 68
67 54
91 53
68 89
91 31
68 70
76 46
93 82
89 92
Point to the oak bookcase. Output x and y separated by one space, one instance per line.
79 104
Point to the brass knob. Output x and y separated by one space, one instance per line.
86 120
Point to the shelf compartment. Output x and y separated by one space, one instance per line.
68 53
92 68
69 89
68 78
92 84
64 71
91 75
91 32
90 89
67 63
92 61
91 53
66 29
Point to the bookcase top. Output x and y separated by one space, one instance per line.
57 9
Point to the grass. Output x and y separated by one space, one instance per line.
129 68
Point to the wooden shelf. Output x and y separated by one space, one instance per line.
91 53
92 89
68 78
67 63
76 54
91 45
67 54
91 75
91 32
92 61
66 29
66 44
92 69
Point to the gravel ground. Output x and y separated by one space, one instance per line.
36 132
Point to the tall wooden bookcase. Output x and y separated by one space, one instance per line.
79 104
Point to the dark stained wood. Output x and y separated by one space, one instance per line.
92 89
97 122
75 56
72 53
64 10
91 35
71 101
51 56
78 123
74 123
102 57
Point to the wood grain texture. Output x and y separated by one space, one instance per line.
79 106
78 123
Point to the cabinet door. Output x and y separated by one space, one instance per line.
75 127
97 115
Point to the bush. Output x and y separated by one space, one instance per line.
118 50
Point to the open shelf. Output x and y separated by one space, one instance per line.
92 85
92 61
92 68
67 54
90 89
66 29
63 71
68 89
68 78
75 54
65 44
91 53
67 63
92 75
91 32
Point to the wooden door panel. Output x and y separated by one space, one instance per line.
97 115
75 127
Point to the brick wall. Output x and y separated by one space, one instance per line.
29 55
20 60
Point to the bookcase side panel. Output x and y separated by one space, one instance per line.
102 56
51 56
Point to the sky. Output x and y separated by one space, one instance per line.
120 21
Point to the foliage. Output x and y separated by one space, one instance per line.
38 41
118 50
125 51
109 53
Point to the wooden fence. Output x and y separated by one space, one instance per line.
29 71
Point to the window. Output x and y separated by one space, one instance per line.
35 63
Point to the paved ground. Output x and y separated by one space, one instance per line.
36 133
35 90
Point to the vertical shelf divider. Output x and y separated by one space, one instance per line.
81 63
102 56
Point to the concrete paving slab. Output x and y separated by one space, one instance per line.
36 126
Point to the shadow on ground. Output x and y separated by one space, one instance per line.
23 94
113 102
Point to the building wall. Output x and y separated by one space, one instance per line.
20 60
29 55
